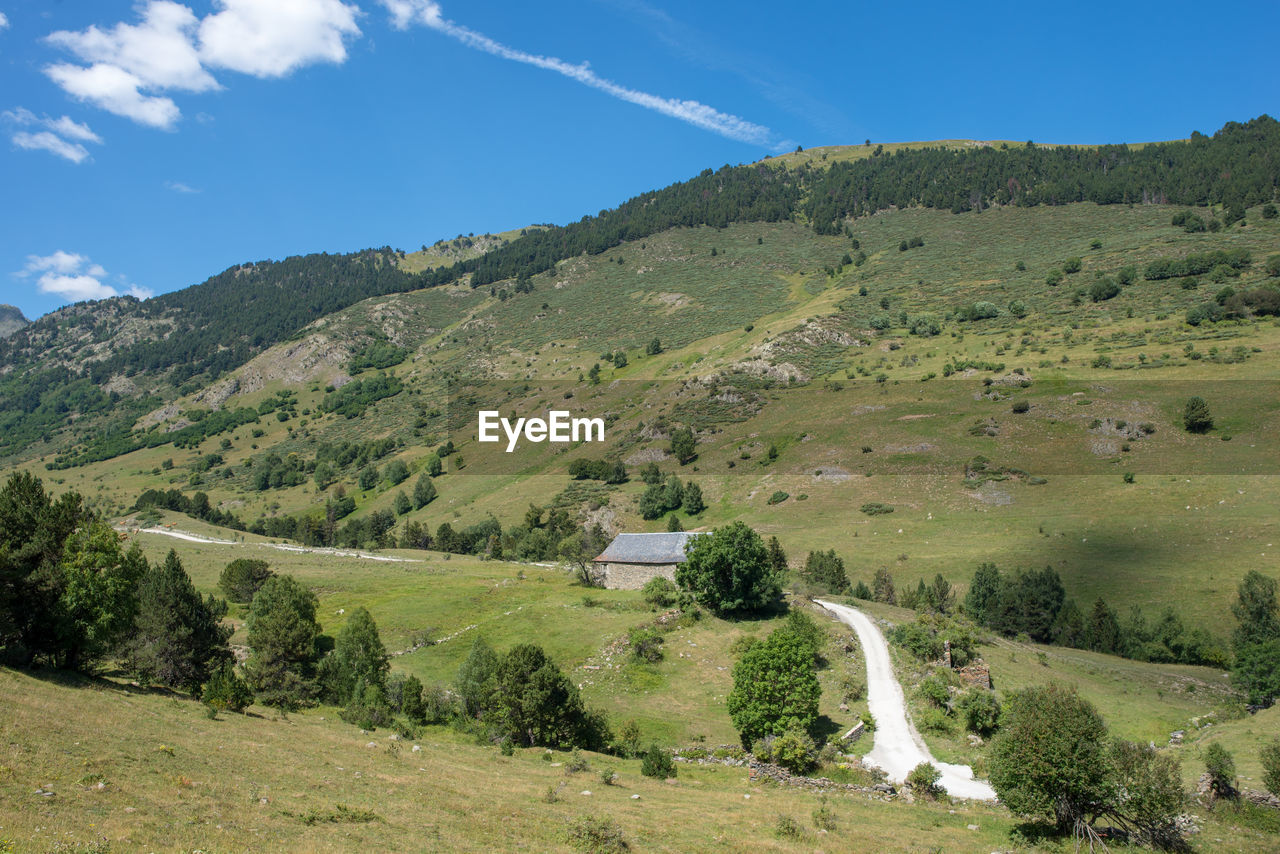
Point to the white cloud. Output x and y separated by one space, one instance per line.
159 52
56 137
51 142
116 91
179 187
429 14
274 39
73 277
4 21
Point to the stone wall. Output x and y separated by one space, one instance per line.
631 576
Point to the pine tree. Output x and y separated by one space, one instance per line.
283 635
178 638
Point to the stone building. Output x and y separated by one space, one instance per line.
632 559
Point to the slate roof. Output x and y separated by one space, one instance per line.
647 548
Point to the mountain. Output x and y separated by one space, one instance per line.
11 320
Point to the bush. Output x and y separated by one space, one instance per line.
225 691
597 835
659 592
646 643
936 691
1072 265
923 781
778 497
1021 406
793 750
875 508
1270 756
657 763
980 711
1220 765
787 827
827 570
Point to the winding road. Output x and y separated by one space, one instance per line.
898 746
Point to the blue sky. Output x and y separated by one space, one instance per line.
146 146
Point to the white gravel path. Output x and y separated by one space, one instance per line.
284 547
898 746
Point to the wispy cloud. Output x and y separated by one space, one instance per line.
4 21
179 187
62 136
74 277
429 14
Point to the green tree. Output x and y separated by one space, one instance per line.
654 347
395 472
536 704
1256 638
775 688
882 587
729 571
1050 759
282 635
33 532
777 557
826 569
435 467
1148 793
178 639
657 763
683 445
402 503
368 477
242 578
98 596
691 499
1196 417
358 656
424 491
475 682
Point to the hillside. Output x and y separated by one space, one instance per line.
925 357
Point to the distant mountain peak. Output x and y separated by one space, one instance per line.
11 319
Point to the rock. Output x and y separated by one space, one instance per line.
844 707
584 792
264 801
417 748
972 826
637 797
372 744
393 737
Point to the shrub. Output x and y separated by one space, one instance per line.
786 827
597 835
1270 756
935 690
659 592
778 497
793 750
1072 265
646 643
923 780
657 763
827 569
824 818
1021 406
980 711
875 508
225 691
1220 765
